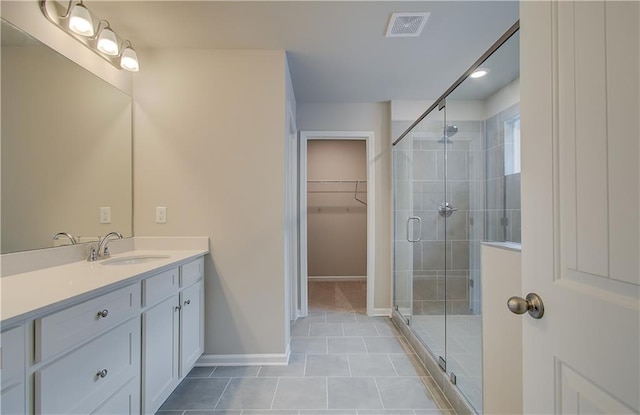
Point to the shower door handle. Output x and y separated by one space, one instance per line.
409 233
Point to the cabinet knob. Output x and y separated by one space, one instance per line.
187 302
178 308
103 313
102 374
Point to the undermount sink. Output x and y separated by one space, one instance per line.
133 259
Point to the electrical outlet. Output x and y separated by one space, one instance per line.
105 214
161 214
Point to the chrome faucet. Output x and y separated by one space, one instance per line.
102 250
65 234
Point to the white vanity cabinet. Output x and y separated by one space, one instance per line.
117 348
191 314
87 356
172 330
12 371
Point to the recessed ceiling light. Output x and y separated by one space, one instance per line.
480 72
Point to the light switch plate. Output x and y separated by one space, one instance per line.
105 214
161 214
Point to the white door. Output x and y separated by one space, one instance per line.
191 326
580 193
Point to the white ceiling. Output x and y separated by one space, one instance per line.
336 49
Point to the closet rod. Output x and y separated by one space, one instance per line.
336 181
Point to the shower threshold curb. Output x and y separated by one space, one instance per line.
458 402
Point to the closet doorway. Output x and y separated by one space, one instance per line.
336 221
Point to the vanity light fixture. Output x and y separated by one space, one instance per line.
129 59
107 41
77 21
480 72
80 21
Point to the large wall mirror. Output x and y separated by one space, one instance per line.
66 149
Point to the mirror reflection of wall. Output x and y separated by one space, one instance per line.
66 148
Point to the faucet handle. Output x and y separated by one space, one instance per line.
93 254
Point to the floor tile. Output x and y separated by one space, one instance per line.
326 329
235 372
295 368
405 393
346 345
300 330
387 329
196 393
327 365
353 393
200 372
384 345
309 345
341 317
363 318
248 393
169 412
436 412
408 365
359 329
269 412
386 412
330 412
301 393
213 412
371 365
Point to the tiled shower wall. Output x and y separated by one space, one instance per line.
458 254
503 191
488 203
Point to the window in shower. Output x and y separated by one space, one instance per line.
512 146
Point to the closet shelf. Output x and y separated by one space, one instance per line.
358 188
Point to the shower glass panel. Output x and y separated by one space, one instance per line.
420 235
482 184
456 185
403 247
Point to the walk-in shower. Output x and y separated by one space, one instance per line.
452 192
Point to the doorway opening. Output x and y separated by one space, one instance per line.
336 209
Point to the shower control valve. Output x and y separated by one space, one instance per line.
446 209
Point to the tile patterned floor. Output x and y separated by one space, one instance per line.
342 363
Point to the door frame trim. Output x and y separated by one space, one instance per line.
368 136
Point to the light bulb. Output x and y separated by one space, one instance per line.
129 60
107 42
80 21
479 73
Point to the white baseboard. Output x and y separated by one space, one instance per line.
333 278
382 312
274 359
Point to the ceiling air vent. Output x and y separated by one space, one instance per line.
406 24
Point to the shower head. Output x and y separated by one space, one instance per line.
449 132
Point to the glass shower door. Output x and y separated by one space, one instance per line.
403 228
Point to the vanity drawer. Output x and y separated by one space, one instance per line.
83 380
159 287
63 330
192 272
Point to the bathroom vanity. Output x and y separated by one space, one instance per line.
106 337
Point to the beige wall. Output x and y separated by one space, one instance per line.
336 222
209 136
364 117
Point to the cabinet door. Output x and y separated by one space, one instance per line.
12 371
191 326
124 402
159 353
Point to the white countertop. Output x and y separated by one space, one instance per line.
31 294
